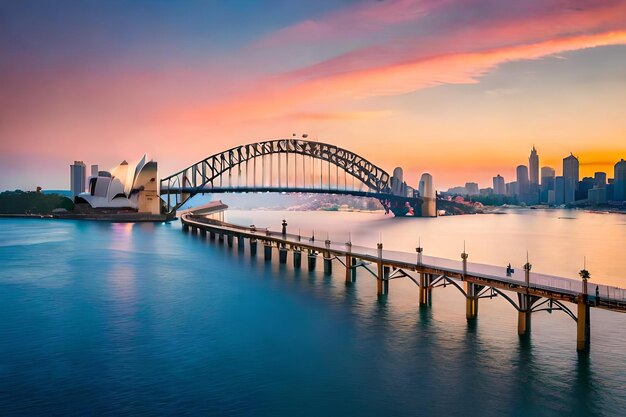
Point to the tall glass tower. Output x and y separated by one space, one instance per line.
533 166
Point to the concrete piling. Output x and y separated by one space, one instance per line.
583 333
297 258
425 291
328 264
312 260
282 254
471 300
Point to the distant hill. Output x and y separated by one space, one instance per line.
30 202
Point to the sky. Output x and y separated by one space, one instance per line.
461 89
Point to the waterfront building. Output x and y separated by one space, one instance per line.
427 191
619 181
94 170
597 195
571 177
559 191
610 191
77 178
571 169
499 187
398 186
125 188
569 191
586 184
600 179
511 189
457 191
547 183
522 182
471 188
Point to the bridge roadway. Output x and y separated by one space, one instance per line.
535 292
267 189
397 199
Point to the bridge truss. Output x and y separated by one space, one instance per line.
285 165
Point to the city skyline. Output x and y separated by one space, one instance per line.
536 183
431 80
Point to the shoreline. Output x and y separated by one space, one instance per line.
109 217
493 209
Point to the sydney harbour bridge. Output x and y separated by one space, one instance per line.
298 166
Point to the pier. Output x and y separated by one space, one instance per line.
526 291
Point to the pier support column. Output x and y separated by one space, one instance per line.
297 258
583 327
350 269
386 272
203 233
328 264
380 286
241 241
471 303
268 251
524 315
185 227
282 254
220 237
253 245
312 259
229 239
212 235
424 288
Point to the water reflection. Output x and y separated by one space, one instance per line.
175 321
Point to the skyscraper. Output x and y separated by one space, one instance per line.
570 169
559 191
619 182
498 185
570 178
94 170
600 179
77 177
547 183
533 166
522 182
547 178
511 188
471 188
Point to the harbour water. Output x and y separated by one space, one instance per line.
128 319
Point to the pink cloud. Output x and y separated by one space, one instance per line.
411 74
353 21
544 22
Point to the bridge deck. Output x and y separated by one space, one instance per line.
543 285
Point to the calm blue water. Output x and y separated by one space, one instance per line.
121 319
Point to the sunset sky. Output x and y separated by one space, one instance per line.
459 88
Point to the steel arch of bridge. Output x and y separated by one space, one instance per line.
200 177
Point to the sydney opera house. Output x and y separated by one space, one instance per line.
125 187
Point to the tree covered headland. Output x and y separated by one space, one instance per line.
30 202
